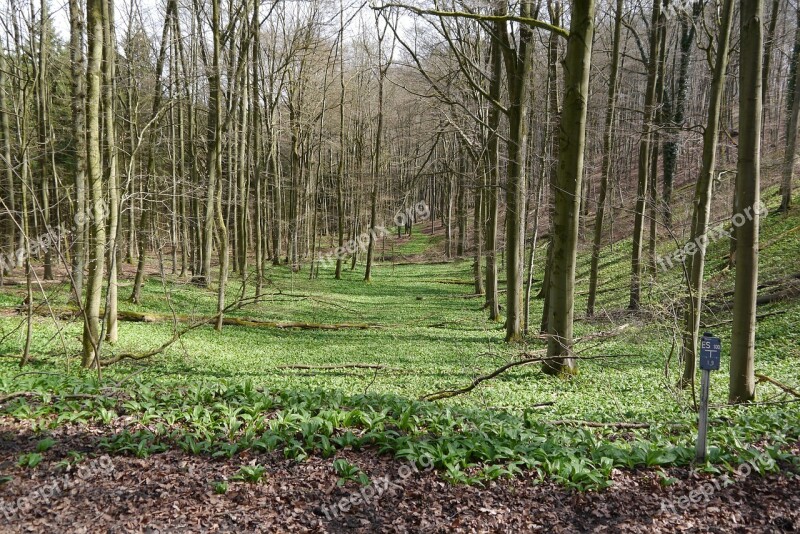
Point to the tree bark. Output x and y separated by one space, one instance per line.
790 155
78 74
702 200
572 140
97 227
644 157
518 70
748 167
110 172
10 226
608 140
493 177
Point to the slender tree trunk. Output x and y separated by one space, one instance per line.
340 170
493 182
532 255
644 157
146 220
790 155
43 123
572 139
702 200
78 74
10 227
678 108
477 232
608 144
516 191
110 172
748 167
257 148
376 162
97 226
551 113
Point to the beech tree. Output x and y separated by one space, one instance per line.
748 184
572 140
97 224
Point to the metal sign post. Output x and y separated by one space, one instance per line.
710 355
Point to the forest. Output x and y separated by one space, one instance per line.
399 266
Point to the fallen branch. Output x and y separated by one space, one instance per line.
28 394
447 393
784 387
340 366
758 317
594 424
778 238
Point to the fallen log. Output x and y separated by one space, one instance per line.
137 317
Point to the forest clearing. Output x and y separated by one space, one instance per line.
432 266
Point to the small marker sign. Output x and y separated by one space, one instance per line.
710 352
710 355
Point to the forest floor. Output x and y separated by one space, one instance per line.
314 398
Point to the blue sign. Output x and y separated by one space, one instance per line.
710 352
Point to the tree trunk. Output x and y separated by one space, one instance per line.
376 161
644 157
748 168
790 155
43 123
572 139
678 108
493 170
97 227
110 171
552 114
78 80
477 232
518 68
702 200
10 227
146 217
608 140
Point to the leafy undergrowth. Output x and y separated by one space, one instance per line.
229 394
466 445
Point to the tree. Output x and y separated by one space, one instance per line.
645 144
97 224
608 138
518 67
9 197
377 164
748 182
78 79
701 215
675 113
572 140
111 176
790 156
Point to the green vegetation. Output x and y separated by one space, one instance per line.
220 394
